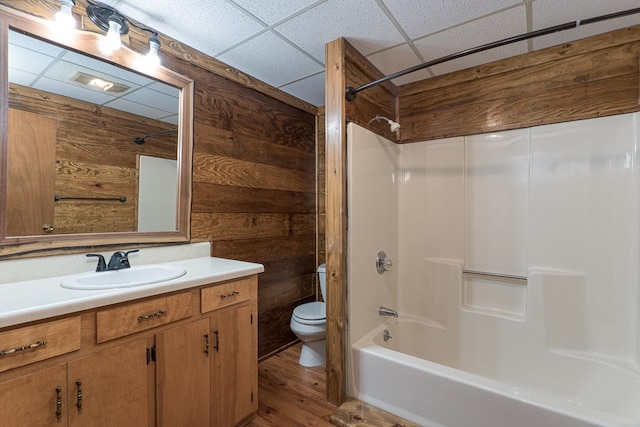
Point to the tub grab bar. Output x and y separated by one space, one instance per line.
508 277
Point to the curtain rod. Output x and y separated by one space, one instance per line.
352 92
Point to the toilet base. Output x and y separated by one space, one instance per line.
313 353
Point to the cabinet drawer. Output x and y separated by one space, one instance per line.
31 344
129 319
218 296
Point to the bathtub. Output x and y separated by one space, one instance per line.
422 374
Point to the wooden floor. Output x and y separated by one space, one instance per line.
290 394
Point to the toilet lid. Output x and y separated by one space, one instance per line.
310 311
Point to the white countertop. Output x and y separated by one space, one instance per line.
35 299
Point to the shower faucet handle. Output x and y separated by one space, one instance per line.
383 263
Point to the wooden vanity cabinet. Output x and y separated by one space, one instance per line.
234 366
233 311
183 374
195 366
34 400
107 388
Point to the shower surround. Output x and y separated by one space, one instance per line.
516 268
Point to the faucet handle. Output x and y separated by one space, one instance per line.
383 263
120 260
102 265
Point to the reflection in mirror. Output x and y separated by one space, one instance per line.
70 163
73 164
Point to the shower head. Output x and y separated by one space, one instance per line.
393 126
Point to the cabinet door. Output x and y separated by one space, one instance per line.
183 376
35 400
110 388
235 365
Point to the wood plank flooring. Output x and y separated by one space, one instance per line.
290 394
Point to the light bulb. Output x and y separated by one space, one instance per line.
112 39
152 58
64 18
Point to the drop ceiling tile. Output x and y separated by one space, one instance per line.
210 26
21 77
419 18
472 34
135 108
104 69
34 44
72 91
547 13
397 59
271 59
272 11
310 89
361 22
173 119
166 89
159 100
28 60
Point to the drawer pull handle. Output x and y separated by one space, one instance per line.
23 348
152 315
230 295
59 403
217 344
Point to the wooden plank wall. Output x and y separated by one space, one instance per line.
593 77
95 157
254 176
254 193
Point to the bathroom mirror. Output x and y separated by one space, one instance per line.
96 149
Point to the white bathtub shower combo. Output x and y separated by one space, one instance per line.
515 276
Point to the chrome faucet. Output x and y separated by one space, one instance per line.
384 311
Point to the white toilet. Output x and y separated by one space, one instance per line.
309 323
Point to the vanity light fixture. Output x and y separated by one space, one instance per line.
64 18
117 25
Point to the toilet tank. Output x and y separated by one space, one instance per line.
322 278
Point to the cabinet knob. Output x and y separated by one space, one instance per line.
47 228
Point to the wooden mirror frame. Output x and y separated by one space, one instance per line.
87 43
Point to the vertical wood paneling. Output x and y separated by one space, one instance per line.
344 66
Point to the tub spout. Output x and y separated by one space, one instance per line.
384 311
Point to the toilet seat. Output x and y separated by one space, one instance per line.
311 313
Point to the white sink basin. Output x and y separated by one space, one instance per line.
125 278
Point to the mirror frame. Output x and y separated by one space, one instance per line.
86 42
